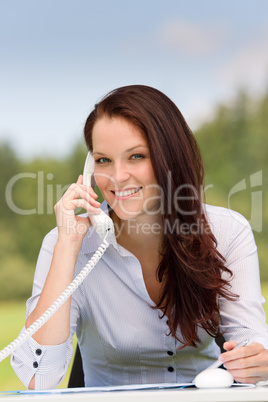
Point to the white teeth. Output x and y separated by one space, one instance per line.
125 193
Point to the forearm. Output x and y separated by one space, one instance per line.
56 263
39 366
57 329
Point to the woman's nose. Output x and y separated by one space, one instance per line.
120 172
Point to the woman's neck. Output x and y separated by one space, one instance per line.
142 232
143 238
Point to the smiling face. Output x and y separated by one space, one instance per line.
123 168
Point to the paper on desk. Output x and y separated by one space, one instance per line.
132 387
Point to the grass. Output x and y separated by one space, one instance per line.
12 316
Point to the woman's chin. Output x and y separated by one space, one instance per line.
123 215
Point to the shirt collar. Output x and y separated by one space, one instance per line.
92 241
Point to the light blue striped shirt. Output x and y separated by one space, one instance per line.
121 337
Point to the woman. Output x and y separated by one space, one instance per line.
176 274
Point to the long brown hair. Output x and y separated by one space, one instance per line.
191 266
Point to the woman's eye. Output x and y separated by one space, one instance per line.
102 160
137 156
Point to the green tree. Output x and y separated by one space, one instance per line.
234 148
9 167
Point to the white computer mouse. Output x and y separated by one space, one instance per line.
214 378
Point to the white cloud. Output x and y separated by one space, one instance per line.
192 38
249 65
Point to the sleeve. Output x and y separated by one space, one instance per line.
245 317
49 363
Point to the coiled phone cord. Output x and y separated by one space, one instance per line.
57 304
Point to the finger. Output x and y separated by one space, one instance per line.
257 360
248 380
241 364
89 190
85 187
80 179
72 191
81 203
251 374
240 353
81 191
229 345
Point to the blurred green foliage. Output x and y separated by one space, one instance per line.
29 191
235 151
234 147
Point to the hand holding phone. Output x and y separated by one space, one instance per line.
74 197
102 223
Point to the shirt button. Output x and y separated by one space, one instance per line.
170 353
38 352
170 369
35 364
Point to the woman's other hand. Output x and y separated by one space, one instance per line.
248 364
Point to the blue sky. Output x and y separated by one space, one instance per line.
58 57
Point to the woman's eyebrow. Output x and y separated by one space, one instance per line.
127 150
98 153
137 146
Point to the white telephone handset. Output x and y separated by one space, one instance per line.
102 223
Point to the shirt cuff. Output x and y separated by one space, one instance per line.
48 363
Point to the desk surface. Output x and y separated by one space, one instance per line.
180 395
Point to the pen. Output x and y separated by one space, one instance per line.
218 363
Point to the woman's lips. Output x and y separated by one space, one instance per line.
127 193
